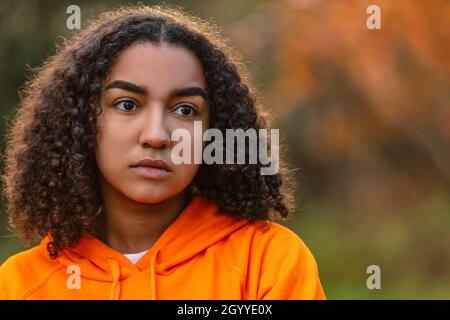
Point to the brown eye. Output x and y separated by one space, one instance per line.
127 105
185 110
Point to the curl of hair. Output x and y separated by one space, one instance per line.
51 175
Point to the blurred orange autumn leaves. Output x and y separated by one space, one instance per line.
366 110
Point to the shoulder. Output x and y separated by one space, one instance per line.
23 271
279 264
280 242
284 249
266 243
272 261
272 236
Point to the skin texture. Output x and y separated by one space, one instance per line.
133 126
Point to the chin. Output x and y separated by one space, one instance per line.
149 197
152 194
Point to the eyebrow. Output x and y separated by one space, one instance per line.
189 92
183 92
128 86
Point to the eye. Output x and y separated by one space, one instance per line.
185 110
126 104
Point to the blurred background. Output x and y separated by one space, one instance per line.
365 116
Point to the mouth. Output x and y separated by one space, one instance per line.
152 169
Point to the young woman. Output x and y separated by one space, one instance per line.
90 173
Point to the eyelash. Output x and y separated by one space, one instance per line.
122 101
195 112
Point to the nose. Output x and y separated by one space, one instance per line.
154 132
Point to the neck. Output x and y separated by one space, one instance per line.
131 227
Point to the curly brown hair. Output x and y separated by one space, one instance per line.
51 175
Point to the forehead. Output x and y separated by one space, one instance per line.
157 66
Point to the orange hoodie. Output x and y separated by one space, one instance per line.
201 255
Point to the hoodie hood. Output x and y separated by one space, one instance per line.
197 227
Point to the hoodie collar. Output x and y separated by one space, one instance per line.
196 228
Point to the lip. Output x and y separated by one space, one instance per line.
151 173
147 162
153 169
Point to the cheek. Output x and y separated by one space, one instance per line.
187 171
184 174
111 145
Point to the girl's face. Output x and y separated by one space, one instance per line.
150 91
